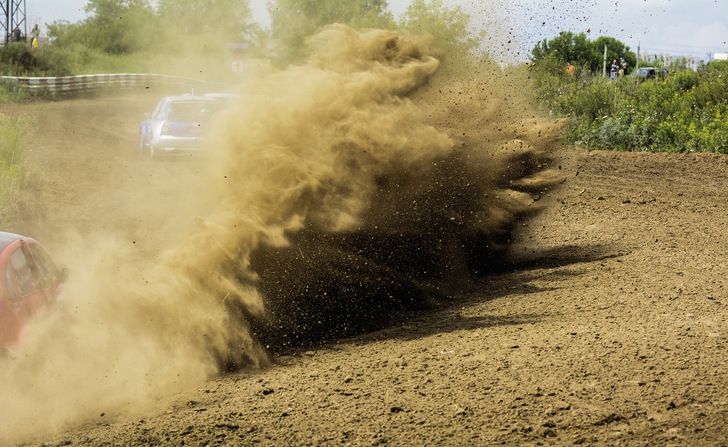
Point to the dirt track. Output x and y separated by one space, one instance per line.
608 327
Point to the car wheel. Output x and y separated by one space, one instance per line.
153 153
142 150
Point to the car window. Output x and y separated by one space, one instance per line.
159 110
10 283
48 271
24 276
155 112
192 112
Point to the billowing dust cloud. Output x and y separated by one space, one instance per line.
343 189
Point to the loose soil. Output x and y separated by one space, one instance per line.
607 326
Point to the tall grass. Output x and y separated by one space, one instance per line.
15 174
11 91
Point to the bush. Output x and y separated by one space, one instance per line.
20 59
11 91
683 112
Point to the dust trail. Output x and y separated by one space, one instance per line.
377 186
343 189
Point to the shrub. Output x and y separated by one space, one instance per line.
11 91
683 112
14 172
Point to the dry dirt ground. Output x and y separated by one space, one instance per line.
608 327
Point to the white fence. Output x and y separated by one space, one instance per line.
101 81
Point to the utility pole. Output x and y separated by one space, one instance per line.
14 24
638 56
604 67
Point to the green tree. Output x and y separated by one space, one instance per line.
567 47
207 20
577 49
447 27
116 26
293 21
616 50
59 31
113 27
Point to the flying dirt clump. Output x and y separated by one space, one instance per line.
344 195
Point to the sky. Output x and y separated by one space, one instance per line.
677 27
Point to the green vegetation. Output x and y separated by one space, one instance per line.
684 111
15 174
19 59
448 33
584 54
293 21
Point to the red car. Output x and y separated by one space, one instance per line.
29 283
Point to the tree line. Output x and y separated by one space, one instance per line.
123 27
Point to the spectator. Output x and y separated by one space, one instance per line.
613 71
34 35
570 69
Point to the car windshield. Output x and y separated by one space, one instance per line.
191 111
48 270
